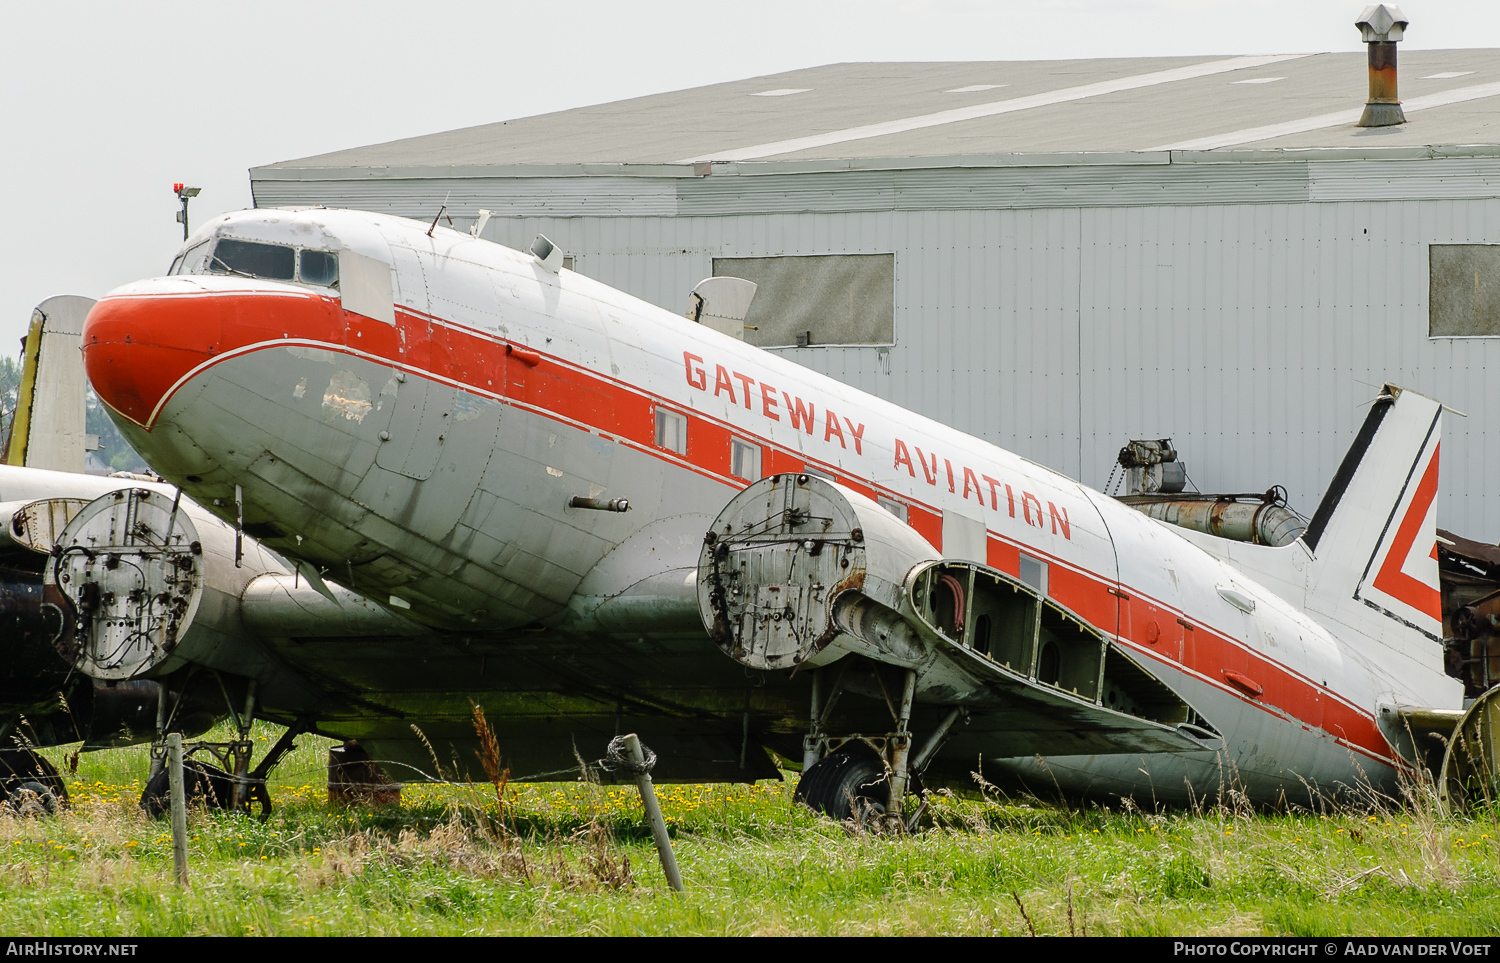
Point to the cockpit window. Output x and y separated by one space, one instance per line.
320 267
191 260
271 261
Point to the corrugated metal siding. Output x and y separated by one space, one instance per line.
1254 334
518 196
851 191
1288 319
952 188
996 188
1405 179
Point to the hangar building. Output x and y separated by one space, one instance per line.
1056 256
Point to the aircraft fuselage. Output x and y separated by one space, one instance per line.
425 456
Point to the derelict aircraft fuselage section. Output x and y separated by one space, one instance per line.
441 424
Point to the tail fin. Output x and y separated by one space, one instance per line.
1374 535
49 428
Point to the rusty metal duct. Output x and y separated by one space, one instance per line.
1258 519
1381 27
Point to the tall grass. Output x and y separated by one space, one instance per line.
577 858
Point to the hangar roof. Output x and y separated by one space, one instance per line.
977 114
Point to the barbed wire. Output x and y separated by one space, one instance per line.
616 761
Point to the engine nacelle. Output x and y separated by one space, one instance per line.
152 582
794 561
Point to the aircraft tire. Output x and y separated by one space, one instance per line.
22 770
31 799
848 784
203 785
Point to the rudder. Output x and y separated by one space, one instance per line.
1374 535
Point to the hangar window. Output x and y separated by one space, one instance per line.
835 299
1463 292
671 431
249 258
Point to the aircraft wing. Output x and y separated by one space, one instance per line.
799 571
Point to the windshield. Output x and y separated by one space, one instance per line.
319 267
251 259
191 260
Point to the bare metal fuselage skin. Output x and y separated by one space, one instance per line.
426 459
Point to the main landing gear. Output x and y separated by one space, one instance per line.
231 785
866 778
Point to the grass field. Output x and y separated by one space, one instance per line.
576 858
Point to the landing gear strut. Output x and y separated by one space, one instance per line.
865 777
231 785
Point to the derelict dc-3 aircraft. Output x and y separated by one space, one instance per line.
502 483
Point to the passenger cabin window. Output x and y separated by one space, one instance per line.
251 259
1034 573
318 267
744 460
891 505
671 431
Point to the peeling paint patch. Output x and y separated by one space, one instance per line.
596 490
313 354
388 391
555 473
300 390
348 395
551 441
466 407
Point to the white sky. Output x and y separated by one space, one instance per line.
105 105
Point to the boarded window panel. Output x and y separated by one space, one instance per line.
365 286
1463 291
838 298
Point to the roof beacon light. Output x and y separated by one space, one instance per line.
184 194
1382 26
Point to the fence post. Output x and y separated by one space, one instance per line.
179 807
653 812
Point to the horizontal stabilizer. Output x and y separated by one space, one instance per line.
1420 736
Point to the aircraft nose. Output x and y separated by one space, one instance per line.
138 346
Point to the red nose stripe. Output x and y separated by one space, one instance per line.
138 348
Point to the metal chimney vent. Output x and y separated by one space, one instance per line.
1382 26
